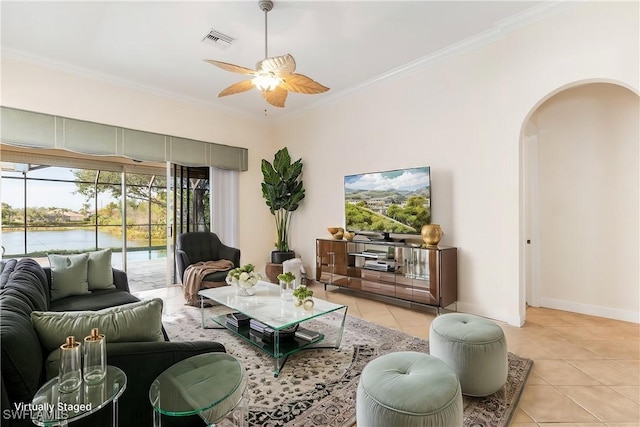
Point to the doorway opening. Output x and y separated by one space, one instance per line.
580 205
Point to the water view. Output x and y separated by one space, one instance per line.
71 240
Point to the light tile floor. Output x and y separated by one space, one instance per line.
586 369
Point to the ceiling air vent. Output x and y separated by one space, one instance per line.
217 38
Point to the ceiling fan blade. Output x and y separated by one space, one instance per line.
278 64
231 67
275 97
239 87
302 84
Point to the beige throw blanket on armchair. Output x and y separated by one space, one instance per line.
194 274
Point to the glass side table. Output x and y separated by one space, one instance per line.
52 408
210 385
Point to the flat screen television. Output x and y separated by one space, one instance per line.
389 202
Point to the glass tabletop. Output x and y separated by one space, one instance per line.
51 407
268 306
211 382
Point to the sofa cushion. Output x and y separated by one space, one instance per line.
96 300
99 273
21 354
7 268
139 321
25 289
68 275
30 283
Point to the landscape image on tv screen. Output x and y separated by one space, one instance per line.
397 201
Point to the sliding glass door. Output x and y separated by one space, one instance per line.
189 190
61 209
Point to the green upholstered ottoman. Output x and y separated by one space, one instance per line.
474 347
408 389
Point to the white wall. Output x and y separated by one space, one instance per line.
589 186
463 116
33 87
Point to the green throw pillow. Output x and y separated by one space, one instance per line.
138 321
99 273
68 275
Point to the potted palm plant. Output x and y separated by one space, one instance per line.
283 191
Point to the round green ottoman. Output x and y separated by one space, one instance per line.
474 347
408 389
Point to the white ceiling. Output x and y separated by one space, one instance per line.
156 45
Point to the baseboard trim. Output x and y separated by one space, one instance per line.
517 321
593 310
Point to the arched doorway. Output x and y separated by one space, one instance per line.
581 192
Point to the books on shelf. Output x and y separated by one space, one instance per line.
307 334
257 326
267 335
237 319
256 336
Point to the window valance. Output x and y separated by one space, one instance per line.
37 130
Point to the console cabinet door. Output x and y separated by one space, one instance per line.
448 273
331 261
323 271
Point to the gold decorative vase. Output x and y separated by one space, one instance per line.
431 234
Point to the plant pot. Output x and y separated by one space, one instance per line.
245 290
307 304
278 257
286 290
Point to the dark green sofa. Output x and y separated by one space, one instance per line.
25 287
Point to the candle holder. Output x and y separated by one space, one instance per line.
95 357
69 373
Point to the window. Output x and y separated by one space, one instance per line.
54 209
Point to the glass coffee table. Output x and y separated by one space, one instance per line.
320 327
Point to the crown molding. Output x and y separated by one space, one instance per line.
102 77
498 32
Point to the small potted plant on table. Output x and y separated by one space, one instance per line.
303 296
287 284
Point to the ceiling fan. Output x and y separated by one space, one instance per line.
273 77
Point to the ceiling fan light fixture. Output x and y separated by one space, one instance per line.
266 82
274 76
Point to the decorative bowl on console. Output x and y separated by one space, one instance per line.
349 235
333 230
338 234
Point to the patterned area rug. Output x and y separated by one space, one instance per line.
317 387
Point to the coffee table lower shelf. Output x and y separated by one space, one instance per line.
286 347
268 307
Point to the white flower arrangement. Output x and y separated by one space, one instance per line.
244 276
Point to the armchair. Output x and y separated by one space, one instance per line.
204 246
